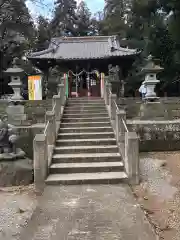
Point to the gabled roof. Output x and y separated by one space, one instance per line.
81 48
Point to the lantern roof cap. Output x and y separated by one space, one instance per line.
15 69
151 67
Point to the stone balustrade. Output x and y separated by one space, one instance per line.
40 161
127 141
43 144
50 129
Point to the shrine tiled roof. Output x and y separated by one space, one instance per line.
79 48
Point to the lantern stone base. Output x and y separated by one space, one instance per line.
20 154
150 86
16 114
152 99
148 111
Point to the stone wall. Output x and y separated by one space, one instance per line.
35 110
171 108
3 105
27 134
157 135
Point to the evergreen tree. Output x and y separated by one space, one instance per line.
43 34
151 26
64 19
84 25
15 27
14 18
115 17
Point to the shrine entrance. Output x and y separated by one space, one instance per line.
84 84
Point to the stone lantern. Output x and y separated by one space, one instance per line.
151 109
15 109
15 73
150 71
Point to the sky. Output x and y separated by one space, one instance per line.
95 5
46 9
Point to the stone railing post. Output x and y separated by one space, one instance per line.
117 130
112 100
51 131
105 90
57 103
108 91
62 80
58 89
62 94
122 116
132 157
40 161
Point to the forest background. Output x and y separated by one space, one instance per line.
151 26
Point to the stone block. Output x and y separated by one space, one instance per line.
17 117
14 173
15 109
152 111
16 114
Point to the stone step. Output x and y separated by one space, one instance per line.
85 129
85 99
85 115
84 104
85 135
85 142
86 157
90 103
86 149
87 178
87 110
90 119
85 124
86 167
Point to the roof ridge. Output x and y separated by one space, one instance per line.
48 50
84 38
96 36
126 49
89 47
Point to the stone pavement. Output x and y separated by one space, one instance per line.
88 212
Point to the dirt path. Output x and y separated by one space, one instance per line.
101 212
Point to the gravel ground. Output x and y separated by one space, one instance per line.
159 192
16 207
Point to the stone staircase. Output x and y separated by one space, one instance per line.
86 149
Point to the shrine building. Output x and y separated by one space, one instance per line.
83 59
